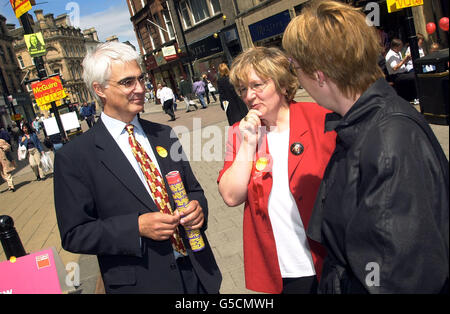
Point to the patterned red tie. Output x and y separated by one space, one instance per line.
156 184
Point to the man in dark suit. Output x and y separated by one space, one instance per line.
106 206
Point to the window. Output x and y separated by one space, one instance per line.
22 65
199 10
169 26
149 31
215 4
161 33
185 14
132 7
141 41
143 3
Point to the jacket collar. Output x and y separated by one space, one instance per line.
115 161
347 127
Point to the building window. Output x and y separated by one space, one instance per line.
22 65
161 33
149 31
199 10
215 5
132 7
169 26
185 14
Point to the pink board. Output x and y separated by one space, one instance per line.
31 274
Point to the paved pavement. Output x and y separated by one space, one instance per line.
203 135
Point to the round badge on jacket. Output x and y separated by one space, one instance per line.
297 148
161 151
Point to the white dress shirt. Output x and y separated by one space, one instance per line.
165 94
117 130
392 59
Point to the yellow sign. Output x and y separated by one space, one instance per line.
20 7
396 5
47 91
35 44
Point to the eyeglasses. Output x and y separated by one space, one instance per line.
130 82
257 87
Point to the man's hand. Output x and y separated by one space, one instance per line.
192 217
158 226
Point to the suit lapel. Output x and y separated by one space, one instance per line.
112 157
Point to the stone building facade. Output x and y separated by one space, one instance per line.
13 97
66 48
184 37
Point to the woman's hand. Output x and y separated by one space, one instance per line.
250 128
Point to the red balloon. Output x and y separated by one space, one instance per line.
431 28
443 24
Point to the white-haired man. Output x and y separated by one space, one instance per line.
111 197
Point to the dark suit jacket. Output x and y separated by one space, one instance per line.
98 198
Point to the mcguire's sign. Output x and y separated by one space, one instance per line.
395 5
48 90
20 7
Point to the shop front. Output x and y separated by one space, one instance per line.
206 55
269 31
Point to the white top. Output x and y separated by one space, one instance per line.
425 68
117 130
392 59
293 252
165 94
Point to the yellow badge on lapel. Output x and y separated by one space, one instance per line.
161 151
261 163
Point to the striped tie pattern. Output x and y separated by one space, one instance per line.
156 184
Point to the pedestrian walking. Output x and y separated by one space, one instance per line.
118 207
7 164
36 125
198 88
233 105
209 89
185 87
88 114
31 142
167 98
382 210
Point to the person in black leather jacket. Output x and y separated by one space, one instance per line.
382 210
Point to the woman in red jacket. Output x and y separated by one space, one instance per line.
275 159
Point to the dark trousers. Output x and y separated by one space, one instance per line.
302 285
191 283
168 108
405 85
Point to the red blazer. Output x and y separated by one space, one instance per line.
307 125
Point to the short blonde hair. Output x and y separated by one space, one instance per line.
334 38
267 63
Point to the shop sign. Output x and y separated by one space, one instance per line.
205 47
169 53
48 91
20 7
160 58
396 5
269 27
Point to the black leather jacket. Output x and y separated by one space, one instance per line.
382 210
